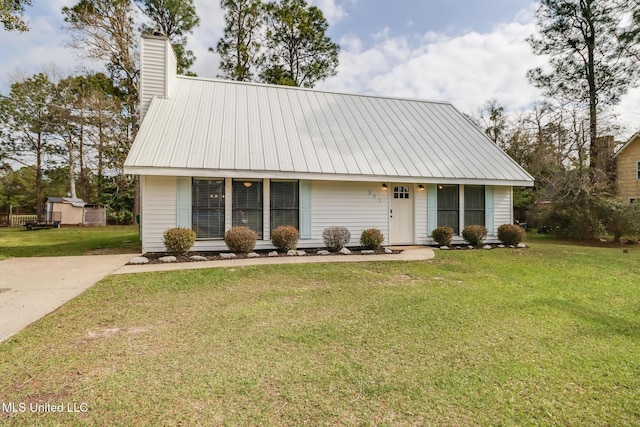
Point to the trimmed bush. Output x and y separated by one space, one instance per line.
285 237
474 234
335 237
511 234
240 240
371 238
178 240
442 235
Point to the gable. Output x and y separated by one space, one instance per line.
632 144
226 128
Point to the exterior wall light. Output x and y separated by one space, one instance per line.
420 187
384 186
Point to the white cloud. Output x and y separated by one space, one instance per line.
206 35
332 11
29 52
466 70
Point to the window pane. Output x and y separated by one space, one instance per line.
448 213
474 205
284 195
247 205
208 193
474 197
208 208
447 197
400 192
247 194
284 217
284 204
449 219
208 224
474 217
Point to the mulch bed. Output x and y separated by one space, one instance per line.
154 257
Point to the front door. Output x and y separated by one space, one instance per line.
401 215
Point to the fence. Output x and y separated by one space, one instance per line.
20 220
94 216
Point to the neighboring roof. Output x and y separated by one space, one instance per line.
629 142
227 128
76 202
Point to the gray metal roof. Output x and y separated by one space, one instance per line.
227 128
76 202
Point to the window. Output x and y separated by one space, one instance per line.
208 208
638 170
474 205
247 204
400 192
285 199
448 213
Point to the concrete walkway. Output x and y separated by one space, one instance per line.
31 288
412 253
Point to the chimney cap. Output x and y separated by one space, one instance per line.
155 35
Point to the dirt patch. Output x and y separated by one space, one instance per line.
4 290
102 333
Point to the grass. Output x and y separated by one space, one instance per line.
18 242
544 336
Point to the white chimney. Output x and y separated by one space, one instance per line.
158 69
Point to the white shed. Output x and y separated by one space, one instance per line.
216 153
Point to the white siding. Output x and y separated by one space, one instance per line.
159 210
355 205
171 69
420 216
503 202
157 69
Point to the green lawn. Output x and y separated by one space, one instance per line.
543 336
18 242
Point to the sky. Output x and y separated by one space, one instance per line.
461 51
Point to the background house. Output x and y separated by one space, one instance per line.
214 153
628 169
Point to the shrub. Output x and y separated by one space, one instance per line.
240 240
285 237
178 240
335 238
620 218
474 234
443 235
511 234
371 238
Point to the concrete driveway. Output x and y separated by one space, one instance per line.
30 288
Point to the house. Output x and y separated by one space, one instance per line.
628 169
213 154
73 211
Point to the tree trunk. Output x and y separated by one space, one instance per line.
594 152
72 172
39 195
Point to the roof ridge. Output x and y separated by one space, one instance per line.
298 88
